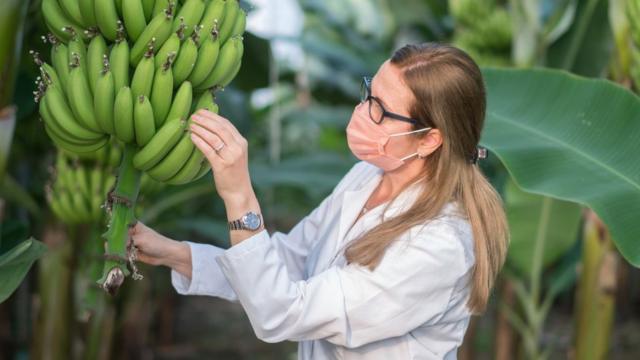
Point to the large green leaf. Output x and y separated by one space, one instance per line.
15 264
536 220
570 138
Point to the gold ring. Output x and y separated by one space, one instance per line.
219 147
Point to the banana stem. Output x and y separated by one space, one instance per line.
120 204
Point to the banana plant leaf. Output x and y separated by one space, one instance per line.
571 138
15 263
538 220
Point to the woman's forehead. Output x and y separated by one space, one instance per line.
388 85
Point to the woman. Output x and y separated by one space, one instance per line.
395 260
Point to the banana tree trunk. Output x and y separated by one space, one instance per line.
595 294
467 350
506 336
54 312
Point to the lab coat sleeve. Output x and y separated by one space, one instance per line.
292 248
348 306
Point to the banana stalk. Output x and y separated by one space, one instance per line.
120 204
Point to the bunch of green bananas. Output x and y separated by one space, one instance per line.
483 29
80 183
135 70
76 191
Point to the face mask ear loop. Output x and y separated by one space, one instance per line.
408 156
410 132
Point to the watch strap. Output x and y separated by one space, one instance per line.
236 225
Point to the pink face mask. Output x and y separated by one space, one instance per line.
367 141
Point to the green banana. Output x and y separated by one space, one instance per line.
95 60
88 12
72 147
118 4
190 169
240 24
96 177
119 60
81 180
80 205
60 111
72 8
47 73
230 55
174 160
57 129
57 20
231 11
76 46
80 97
213 16
160 144
190 13
230 76
162 91
144 123
143 76
54 204
206 101
107 18
186 59
134 18
60 62
148 5
101 155
123 115
159 7
204 169
104 98
181 102
207 57
69 214
158 30
172 45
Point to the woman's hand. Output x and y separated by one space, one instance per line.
230 164
156 249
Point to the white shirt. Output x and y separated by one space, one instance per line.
412 306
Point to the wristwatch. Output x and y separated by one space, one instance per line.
249 221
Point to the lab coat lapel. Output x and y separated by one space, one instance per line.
352 203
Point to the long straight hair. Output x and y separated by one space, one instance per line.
450 96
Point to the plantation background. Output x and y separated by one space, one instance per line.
569 289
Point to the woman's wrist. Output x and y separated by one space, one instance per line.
179 258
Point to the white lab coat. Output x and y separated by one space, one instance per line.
412 306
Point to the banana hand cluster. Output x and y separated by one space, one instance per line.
76 191
135 70
80 183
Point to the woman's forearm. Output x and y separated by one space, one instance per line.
179 258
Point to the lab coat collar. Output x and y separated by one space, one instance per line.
354 200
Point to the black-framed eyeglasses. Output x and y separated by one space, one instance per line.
377 112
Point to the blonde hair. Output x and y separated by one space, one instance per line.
450 96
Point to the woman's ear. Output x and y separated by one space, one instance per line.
430 142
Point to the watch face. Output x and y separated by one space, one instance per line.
251 220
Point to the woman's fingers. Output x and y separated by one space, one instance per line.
216 127
222 121
207 150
